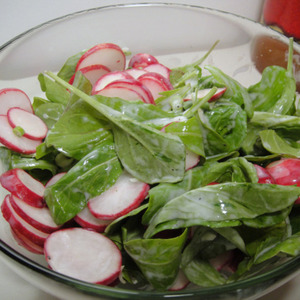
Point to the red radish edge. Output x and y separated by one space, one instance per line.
40 218
24 186
12 97
125 195
91 57
13 142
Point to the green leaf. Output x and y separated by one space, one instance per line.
235 91
68 69
158 259
222 205
91 176
275 144
54 91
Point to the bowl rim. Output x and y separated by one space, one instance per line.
288 268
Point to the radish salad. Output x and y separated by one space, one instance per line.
128 172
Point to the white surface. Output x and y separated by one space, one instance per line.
17 16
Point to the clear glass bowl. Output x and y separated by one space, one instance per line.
177 34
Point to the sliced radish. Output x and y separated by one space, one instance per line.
83 254
142 60
55 178
125 195
107 54
135 73
14 142
204 92
121 92
180 282
92 73
24 186
191 160
106 79
156 83
20 225
86 220
286 171
160 69
40 218
263 175
135 85
11 97
33 126
26 243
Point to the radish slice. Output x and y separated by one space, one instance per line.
34 127
180 282
23 186
160 69
135 73
107 54
13 142
40 218
92 73
191 160
121 92
19 224
142 60
106 79
86 220
204 92
135 85
11 97
125 195
55 178
23 241
83 254
156 83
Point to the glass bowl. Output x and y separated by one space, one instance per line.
176 34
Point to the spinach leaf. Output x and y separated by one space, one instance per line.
275 144
54 91
162 155
91 176
222 205
68 69
158 259
235 91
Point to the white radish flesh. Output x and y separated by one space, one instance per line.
33 126
19 224
24 186
135 73
92 73
160 69
180 282
107 54
83 254
55 178
191 160
121 92
11 97
106 79
40 218
135 85
86 220
13 142
155 83
204 92
125 195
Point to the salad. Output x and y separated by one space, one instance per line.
128 172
